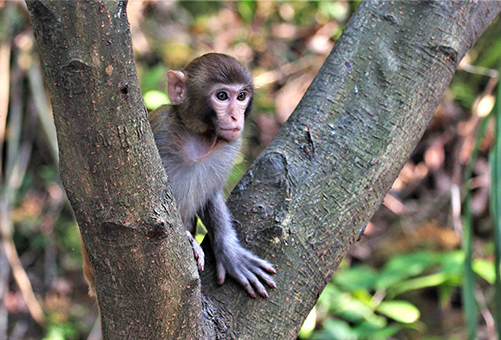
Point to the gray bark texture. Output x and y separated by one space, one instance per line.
301 205
113 174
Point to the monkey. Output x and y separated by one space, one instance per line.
198 137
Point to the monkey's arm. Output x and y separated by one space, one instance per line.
231 257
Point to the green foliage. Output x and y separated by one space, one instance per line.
401 311
359 302
201 8
495 161
152 78
246 9
334 10
61 331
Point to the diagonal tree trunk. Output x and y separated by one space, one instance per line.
310 194
302 204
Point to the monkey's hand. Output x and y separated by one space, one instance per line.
197 251
231 257
245 267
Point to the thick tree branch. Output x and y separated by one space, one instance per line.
147 285
310 194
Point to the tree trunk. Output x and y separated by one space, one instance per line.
301 205
147 284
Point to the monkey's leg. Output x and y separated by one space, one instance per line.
197 251
231 257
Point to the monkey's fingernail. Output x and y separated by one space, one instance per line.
272 270
264 293
271 284
220 281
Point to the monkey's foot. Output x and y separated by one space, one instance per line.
197 251
246 268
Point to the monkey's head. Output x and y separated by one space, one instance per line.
213 95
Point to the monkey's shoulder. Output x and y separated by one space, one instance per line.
159 117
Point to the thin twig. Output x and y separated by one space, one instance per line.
95 333
44 110
486 314
19 331
483 71
17 269
12 185
5 50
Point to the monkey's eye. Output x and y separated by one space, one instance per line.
222 95
241 96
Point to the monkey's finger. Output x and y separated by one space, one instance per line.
221 273
190 236
263 264
265 277
197 251
256 283
200 260
247 286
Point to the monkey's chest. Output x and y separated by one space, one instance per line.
197 175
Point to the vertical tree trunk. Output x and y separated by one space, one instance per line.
147 284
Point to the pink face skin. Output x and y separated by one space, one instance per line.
230 103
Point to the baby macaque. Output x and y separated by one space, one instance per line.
198 137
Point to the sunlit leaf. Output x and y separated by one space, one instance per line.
405 266
401 311
485 269
153 99
246 9
420 282
309 325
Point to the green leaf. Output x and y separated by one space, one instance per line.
401 311
495 161
485 269
154 99
403 267
452 263
367 331
309 325
420 282
246 9
359 277
335 330
335 9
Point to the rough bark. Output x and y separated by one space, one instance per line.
302 204
147 284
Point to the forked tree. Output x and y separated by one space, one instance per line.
301 205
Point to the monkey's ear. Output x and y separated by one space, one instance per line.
176 87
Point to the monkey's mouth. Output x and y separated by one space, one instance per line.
230 133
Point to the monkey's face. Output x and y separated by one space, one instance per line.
230 103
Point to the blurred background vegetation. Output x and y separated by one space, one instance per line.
406 279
